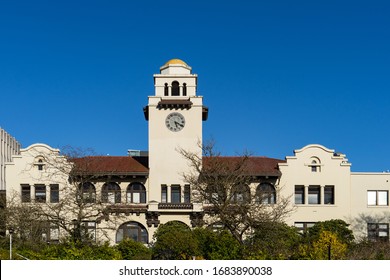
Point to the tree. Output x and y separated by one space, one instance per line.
326 240
217 245
223 185
174 241
274 240
133 250
72 206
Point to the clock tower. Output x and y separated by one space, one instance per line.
175 114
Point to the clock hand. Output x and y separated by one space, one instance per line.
177 123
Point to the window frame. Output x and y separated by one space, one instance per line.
175 88
111 193
25 193
131 191
54 193
175 194
40 193
122 233
164 194
87 192
374 231
329 195
374 199
187 194
266 194
299 190
314 195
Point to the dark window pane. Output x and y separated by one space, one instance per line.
54 193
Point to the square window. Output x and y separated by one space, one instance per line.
314 195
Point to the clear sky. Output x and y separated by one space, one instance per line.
276 75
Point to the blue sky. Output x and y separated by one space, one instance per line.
276 75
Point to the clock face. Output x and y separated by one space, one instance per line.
175 122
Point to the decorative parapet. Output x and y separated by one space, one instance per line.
127 209
176 206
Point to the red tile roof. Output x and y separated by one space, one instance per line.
126 165
113 165
252 165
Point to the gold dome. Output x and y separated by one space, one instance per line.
176 61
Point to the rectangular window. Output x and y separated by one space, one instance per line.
175 194
303 226
90 229
314 195
164 194
299 195
54 232
329 195
187 194
26 193
40 193
378 231
54 193
377 198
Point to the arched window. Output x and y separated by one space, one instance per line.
132 230
266 194
184 89
136 193
40 163
315 164
111 193
241 194
175 88
87 192
166 89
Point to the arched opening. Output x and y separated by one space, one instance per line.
175 88
111 193
136 193
133 230
87 192
266 194
184 89
241 194
315 164
166 90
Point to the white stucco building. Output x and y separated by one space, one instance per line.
143 191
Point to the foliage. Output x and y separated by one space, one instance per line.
366 250
338 227
222 185
326 240
132 250
272 241
219 245
174 241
